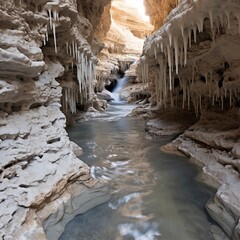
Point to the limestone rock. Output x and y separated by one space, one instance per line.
41 43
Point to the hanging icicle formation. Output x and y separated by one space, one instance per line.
85 63
169 47
69 99
81 57
52 9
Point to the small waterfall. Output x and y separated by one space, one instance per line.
115 93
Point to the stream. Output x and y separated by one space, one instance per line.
155 195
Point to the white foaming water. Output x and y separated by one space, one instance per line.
139 231
115 93
123 200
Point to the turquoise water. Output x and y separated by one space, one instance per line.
154 194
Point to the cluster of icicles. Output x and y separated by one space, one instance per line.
85 63
83 59
52 8
70 99
85 68
169 46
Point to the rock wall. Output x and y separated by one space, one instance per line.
45 54
158 10
191 63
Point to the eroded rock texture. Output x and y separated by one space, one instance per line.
45 53
192 63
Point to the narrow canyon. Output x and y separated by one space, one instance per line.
119 107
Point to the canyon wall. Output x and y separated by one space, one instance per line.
122 43
192 63
47 66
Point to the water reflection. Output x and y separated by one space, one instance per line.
155 195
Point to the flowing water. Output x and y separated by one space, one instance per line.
154 194
120 84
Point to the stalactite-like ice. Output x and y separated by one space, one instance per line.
50 16
176 48
54 36
185 44
169 66
227 13
211 18
67 47
52 8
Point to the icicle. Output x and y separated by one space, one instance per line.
169 66
54 37
225 92
201 19
73 49
78 55
182 30
50 17
206 77
55 15
222 102
190 37
155 52
44 40
213 34
165 82
170 38
185 43
228 18
210 13
176 48
181 56
161 46
46 33
67 47
195 33
76 51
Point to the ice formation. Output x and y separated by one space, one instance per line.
53 8
82 59
172 48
